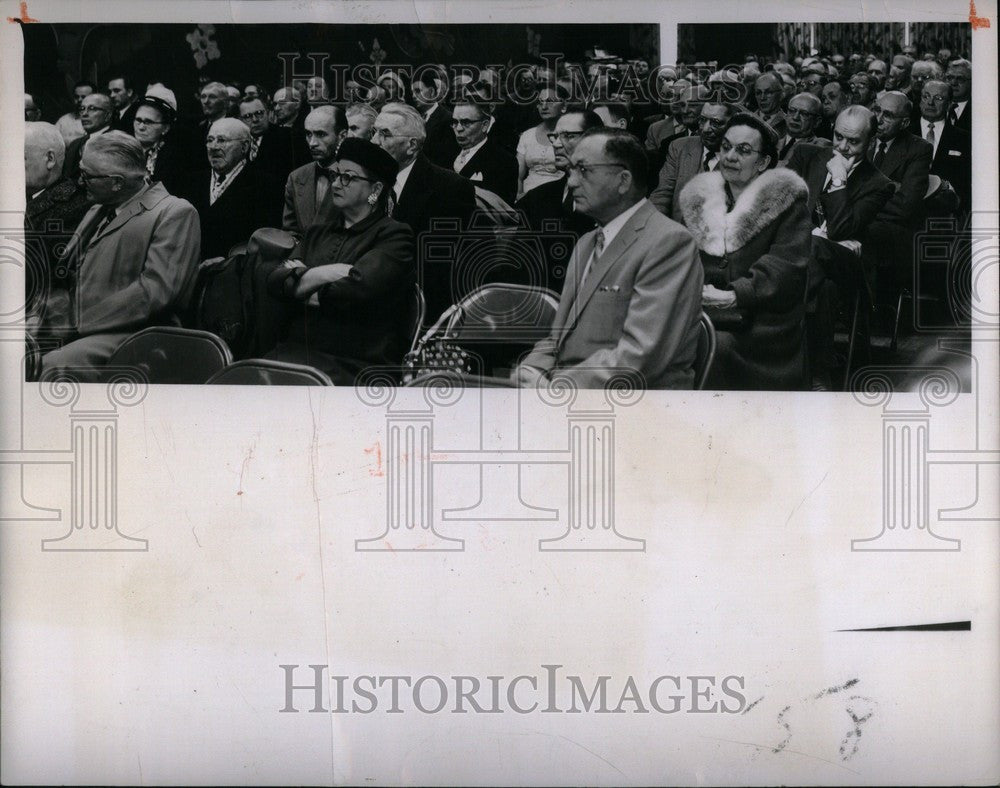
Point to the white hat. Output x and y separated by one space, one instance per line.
164 94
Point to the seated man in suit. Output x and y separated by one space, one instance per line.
921 73
863 89
768 89
688 156
424 194
846 193
307 191
233 197
138 249
484 163
906 160
952 146
802 118
270 147
55 205
96 113
214 100
959 77
122 93
551 204
430 87
632 299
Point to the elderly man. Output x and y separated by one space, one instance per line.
317 92
952 146
436 203
899 73
835 96
270 147
548 208
632 298
480 160
32 114
360 120
803 117
906 160
863 89
430 88
69 124
879 69
688 156
138 249
287 107
234 198
55 205
126 102
846 193
214 100
921 73
96 114
959 78
769 90
307 191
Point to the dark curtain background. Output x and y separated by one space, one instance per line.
58 55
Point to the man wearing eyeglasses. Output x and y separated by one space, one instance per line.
632 298
768 90
688 156
270 146
921 73
96 113
959 77
802 117
481 161
551 203
952 146
138 251
307 190
234 197
436 203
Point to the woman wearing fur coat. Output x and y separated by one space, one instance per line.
753 231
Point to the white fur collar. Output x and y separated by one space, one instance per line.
703 202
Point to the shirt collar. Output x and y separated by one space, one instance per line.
401 177
612 228
473 150
230 176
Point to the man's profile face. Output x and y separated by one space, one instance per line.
360 124
285 106
568 129
95 113
889 114
119 96
712 124
316 92
254 115
37 165
850 136
79 94
213 101
321 138
96 175
597 191
390 135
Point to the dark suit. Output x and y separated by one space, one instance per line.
550 217
174 168
493 168
684 161
440 145
49 220
250 202
300 211
953 162
434 193
788 147
965 119
125 121
638 309
74 151
276 152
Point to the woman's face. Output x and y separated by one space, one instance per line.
149 126
350 184
741 158
550 106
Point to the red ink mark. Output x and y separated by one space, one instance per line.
388 544
377 451
976 21
303 574
27 19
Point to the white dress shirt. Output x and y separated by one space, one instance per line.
463 156
401 180
220 184
938 131
610 230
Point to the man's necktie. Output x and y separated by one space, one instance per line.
709 158
460 162
104 216
879 155
567 203
787 148
598 250
953 115
322 187
254 147
930 133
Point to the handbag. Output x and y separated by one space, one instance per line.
436 351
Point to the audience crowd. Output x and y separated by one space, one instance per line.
769 197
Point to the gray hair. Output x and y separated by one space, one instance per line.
815 105
122 150
45 137
360 108
413 123
292 93
927 65
906 107
858 111
233 126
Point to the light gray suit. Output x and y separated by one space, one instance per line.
637 310
684 161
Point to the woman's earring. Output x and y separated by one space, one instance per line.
372 199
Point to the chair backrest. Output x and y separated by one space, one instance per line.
507 313
265 372
705 354
167 354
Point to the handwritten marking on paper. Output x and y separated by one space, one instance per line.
24 18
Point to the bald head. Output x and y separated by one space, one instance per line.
227 143
44 153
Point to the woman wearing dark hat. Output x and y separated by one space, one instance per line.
165 162
347 284
753 231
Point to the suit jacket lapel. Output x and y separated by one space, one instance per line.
307 193
121 218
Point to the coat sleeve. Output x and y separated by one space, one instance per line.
776 281
289 221
847 217
904 206
164 280
663 195
665 304
381 270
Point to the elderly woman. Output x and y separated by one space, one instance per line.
536 158
348 283
753 230
165 160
